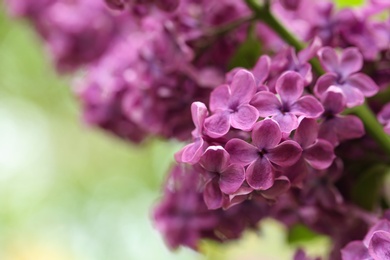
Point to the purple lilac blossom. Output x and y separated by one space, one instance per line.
342 72
265 151
230 106
223 177
335 127
291 104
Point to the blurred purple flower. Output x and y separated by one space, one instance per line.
384 117
342 73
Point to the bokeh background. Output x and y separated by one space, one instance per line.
71 192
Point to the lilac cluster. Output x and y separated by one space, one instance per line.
143 68
275 139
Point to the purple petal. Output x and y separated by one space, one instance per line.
307 106
232 179
212 195
281 185
308 53
382 225
261 69
199 113
355 250
353 96
260 174
219 98
384 114
351 61
191 153
364 83
329 59
324 82
333 100
306 133
289 86
217 125
215 159
266 134
285 154
266 103
320 155
241 152
244 118
287 122
243 87
379 247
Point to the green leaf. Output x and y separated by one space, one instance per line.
247 54
348 3
300 233
367 189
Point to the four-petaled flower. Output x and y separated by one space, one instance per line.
265 151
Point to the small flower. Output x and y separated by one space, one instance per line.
291 103
230 106
342 73
223 177
264 152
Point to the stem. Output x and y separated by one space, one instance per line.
372 126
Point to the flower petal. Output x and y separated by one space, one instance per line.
217 125
232 178
243 87
351 61
266 103
241 152
261 69
379 247
289 86
260 174
199 113
353 96
320 155
245 117
364 83
333 100
329 59
212 195
191 153
324 82
219 98
287 122
215 159
355 250
285 154
281 185
307 106
266 134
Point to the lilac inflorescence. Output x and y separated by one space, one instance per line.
274 138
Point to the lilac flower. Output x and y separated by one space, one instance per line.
342 73
230 106
223 177
384 117
335 127
285 111
375 246
264 152
191 153
317 153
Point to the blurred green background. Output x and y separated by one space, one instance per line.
71 192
